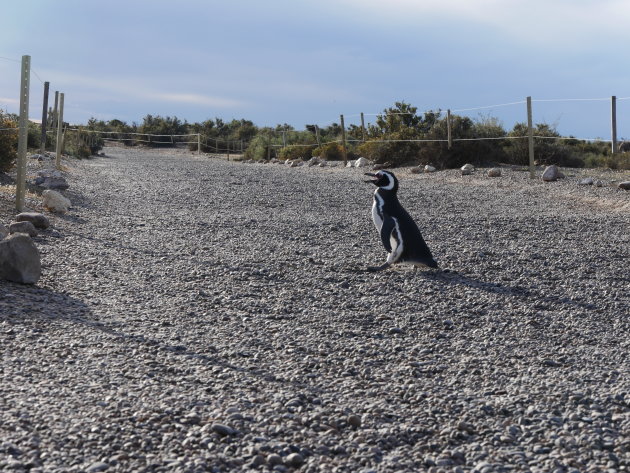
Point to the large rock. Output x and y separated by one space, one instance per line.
19 259
37 219
625 185
467 169
361 163
51 179
55 202
23 227
551 173
429 168
494 172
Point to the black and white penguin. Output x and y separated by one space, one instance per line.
400 234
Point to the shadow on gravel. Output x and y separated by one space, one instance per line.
456 279
24 304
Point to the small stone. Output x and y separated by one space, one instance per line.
429 168
354 421
587 181
23 227
494 172
416 170
625 185
257 461
222 429
37 219
274 459
599 184
96 467
295 460
395 330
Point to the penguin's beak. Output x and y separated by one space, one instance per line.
374 176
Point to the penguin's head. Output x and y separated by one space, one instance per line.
384 180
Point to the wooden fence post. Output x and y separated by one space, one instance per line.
20 185
362 128
613 122
59 148
198 143
44 117
449 131
53 125
343 142
317 136
530 135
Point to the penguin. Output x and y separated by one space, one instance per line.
400 234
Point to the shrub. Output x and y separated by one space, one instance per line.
8 142
329 151
297 152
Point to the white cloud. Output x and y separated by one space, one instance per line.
556 22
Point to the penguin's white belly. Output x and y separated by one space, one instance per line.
377 212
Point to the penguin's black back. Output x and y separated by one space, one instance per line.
415 249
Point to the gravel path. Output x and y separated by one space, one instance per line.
201 315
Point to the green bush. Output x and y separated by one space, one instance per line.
303 152
329 151
8 141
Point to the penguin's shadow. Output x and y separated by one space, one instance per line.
457 279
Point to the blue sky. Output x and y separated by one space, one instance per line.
306 62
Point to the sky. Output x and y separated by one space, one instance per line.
307 62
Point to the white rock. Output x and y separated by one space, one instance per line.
551 173
361 163
429 168
494 172
350 164
19 259
587 181
467 169
55 202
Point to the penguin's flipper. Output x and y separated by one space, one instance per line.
386 232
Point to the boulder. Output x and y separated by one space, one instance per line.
51 180
467 169
587 181
4 232
625 185
37 219
429 168
23 227
551 173
494 172
361 163
19 259
314 161
384 165
55 202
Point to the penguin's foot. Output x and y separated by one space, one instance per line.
374 269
